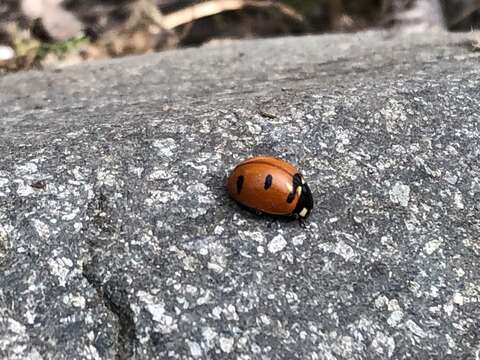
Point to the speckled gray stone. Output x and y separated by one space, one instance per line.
117 237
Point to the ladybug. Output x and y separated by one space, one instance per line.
270 185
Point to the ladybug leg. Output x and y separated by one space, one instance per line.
271 223
302 223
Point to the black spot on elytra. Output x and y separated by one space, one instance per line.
297 181
290 197
239 184
268 182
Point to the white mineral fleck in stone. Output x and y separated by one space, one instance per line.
24 189
343 345
458 299
255 348
77 173
299 239
218 230
76 301
30 316
381 301
35 355
21 250
431 246
190 263
231 313
202 168
475 185
253 128
190 289
344 250
3 182
196 212
400 194
217 312
70 216
138 171
146 297
278 243
329 111
203 251
195 349
452 179
415 288
156 310
210 336
458 200
414 328
60 267
343 137
165 323
16 327
341 248
448 308
265 319
383 344
92 351
215 267
395 318
4 233
162 196
340 148
252 235
394 114
197 188
105 177
393 305
226 344
160 174
67 261
205 298
166 147
27 168
451 343
78 226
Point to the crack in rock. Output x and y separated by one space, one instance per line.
115 298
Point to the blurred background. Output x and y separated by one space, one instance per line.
43 33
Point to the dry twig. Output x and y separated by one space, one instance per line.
213 7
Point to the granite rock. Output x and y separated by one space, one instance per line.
117 237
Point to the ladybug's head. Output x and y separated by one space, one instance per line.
305 202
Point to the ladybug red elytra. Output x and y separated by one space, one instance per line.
270 185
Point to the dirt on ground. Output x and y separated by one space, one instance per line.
45 33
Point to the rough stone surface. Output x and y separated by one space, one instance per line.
117 237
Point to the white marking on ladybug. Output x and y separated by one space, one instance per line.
304 212
299 191
289 187
303 180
